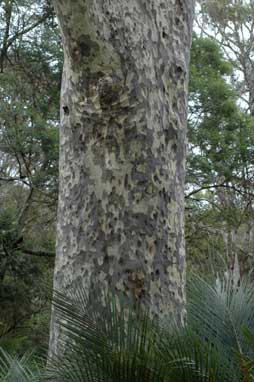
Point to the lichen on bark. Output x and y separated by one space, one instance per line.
122 150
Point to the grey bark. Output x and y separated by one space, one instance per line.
122 150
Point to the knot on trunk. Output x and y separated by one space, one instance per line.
109 89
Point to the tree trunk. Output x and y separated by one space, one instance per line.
122 149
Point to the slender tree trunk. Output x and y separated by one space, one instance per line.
122 149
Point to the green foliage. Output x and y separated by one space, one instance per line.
29 97
220 164
8 227
214 117
30 66
23 295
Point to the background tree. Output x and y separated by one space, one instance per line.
30 61
221 130
230 23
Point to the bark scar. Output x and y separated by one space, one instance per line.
136 281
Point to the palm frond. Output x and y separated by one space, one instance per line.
218 314
17 369
104 341
107 344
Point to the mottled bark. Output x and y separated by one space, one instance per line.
122 149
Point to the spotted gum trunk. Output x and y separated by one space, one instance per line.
122 149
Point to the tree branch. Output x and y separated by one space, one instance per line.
32 252
218 186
